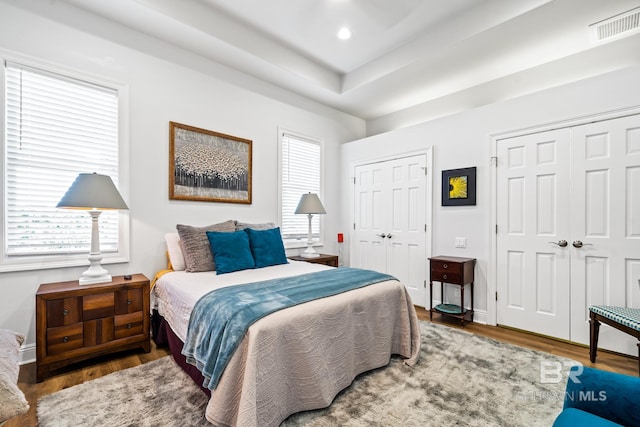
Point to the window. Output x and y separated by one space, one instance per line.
300 160
55 127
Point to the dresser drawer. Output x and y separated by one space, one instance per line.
64 338
129 301
98 331
64 311
127 325
97 306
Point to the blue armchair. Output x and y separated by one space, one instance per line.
601 398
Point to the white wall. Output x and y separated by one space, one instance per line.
168 84
463 140
197 93
600 59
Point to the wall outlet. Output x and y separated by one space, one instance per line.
461 242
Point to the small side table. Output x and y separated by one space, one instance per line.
455 271
330 260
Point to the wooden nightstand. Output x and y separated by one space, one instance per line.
75 323
456 271
330 260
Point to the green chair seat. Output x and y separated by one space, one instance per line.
624 319
627 316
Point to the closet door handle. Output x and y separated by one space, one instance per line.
562 243
382 235
578 244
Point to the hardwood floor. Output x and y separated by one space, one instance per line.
95 368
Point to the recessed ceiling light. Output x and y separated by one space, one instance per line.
344 33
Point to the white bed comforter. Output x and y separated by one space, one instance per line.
298 358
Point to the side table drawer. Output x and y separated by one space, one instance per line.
442 271
64 338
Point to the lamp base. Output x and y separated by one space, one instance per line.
95 273
309 252
90 280
306 255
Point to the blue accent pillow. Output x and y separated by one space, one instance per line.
231 251
267 247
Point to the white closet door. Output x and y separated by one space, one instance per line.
605 198
582 185
533 221
371 189
390 221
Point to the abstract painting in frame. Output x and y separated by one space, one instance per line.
459 187
208 166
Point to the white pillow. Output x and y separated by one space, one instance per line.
175 251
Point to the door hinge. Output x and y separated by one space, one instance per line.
496 296
425 284
425 171
425 228
354 225
496 228
354 180
494 161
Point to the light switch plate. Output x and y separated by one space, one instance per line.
461 242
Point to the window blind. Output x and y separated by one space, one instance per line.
301 167
55 128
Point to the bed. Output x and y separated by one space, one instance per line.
294 359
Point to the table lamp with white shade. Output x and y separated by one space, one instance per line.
310 204
94 193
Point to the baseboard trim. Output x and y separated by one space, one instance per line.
27 354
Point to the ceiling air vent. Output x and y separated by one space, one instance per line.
617 26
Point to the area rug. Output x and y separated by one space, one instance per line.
461 379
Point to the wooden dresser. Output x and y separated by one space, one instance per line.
75 323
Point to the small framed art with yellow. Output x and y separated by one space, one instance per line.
459 187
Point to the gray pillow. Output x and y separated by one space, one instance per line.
195 245
260 226
12 400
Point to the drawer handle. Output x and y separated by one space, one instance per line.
65 312
129 302
65 339
444 276
128 325
444 266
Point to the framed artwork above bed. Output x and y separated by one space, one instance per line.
208 166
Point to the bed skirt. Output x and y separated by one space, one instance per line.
164 336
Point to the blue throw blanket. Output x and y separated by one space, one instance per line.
220 318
